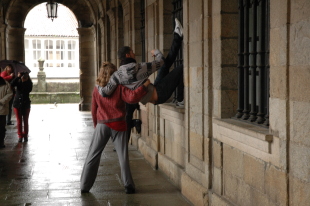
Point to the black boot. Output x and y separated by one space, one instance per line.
2 144
2 137
130 189
137 124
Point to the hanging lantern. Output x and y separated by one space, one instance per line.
51 8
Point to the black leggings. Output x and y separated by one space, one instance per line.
168 85
167 82
130 108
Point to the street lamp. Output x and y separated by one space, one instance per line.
51 8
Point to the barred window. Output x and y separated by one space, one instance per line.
178 13
253 61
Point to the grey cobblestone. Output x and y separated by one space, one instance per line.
46 169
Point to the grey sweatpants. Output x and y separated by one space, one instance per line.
101 136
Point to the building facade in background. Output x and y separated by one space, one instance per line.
54 41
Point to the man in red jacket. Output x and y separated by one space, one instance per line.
109 121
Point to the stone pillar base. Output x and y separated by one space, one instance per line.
41 81
84 107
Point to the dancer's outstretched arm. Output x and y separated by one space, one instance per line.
134 96
131 73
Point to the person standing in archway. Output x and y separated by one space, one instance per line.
8 75
22 103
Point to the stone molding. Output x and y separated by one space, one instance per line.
253 140
172 114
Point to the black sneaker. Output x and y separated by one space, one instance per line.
84 191
130 189
180 104
137 123
173 101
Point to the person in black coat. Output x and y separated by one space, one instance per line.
21 103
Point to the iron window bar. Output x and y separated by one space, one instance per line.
253 62
178 13
142 28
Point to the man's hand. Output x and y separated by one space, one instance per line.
153 52
146 83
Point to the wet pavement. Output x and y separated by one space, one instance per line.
46 169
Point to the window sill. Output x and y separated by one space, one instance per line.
171 113
251 139
172 107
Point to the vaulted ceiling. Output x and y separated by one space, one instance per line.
14 12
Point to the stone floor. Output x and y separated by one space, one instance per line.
46 170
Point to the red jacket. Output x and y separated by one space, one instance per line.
6 76
113 108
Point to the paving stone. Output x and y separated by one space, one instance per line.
46 170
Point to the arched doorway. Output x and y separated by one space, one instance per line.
13 44
56 42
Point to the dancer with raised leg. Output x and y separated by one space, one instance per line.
132 74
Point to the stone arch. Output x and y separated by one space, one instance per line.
108 38
120 22
112 38
17 11
115 23
103 36
15 15
120 29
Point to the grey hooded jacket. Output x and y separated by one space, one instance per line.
133 75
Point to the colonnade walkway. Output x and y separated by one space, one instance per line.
46 170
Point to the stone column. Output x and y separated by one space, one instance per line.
87 66
3 41
41 77
15 44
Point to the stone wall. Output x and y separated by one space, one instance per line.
296 64
60 92
54 97
212 158
59 87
